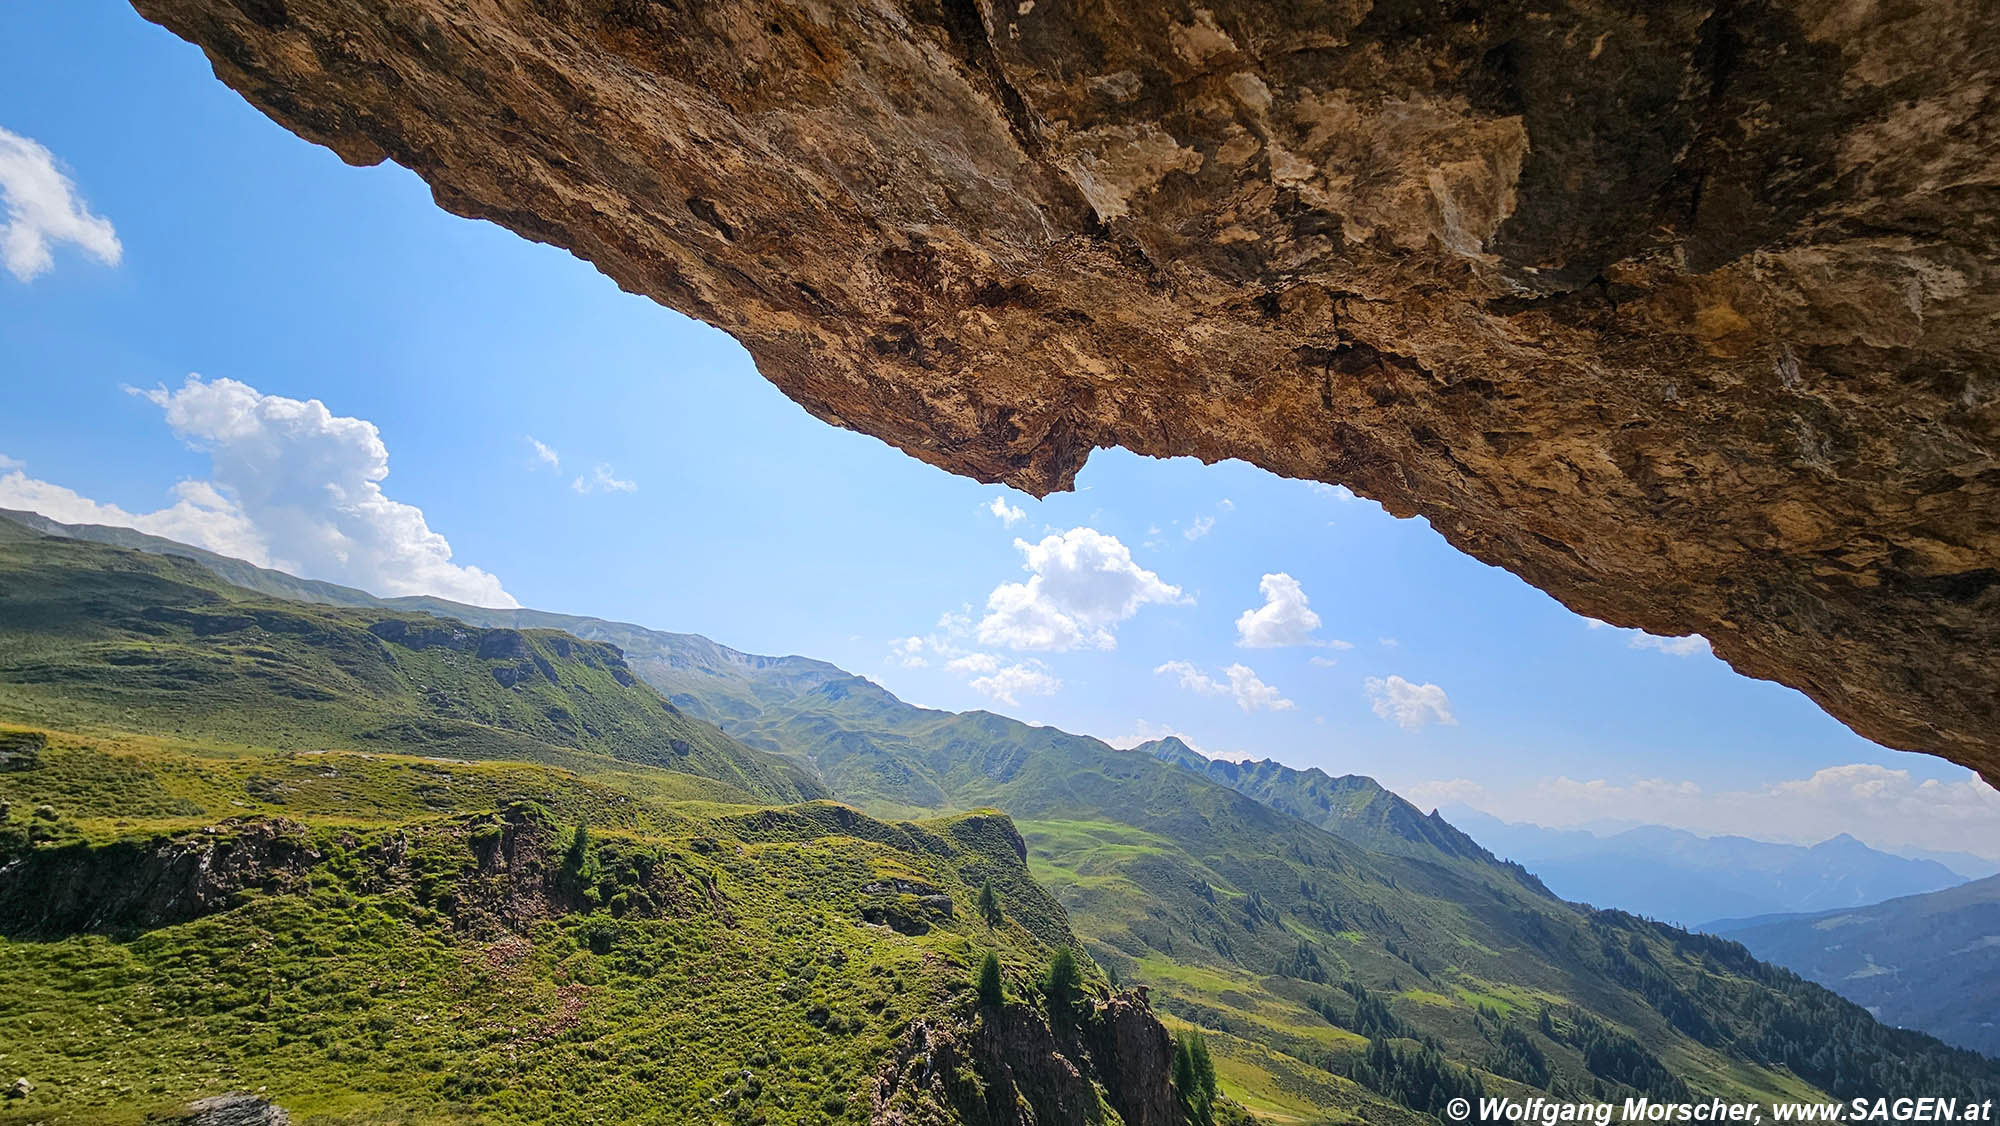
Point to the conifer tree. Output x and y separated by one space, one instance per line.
992 992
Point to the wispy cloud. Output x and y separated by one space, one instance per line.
544 454
602 479
1008 514
1688 646
1239 683
1008 683
45 210
1338 492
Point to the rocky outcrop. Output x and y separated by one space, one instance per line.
136 884
1010 1068
1686 312
508 874
22 750
235 1109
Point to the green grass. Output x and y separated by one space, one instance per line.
110 641
1243 897
1291 937
383 987
324 853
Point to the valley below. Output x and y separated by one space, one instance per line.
402 860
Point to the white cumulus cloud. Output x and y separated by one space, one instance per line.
1240 683
1081 584
1007 683
293 486
43 210
1284 619
1409 705
200 515
1008 514
1201 526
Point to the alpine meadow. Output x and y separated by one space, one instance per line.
999 563
499 863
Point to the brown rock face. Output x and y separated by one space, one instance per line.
1010 1068
1686 313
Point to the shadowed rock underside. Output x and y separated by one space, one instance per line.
1685 313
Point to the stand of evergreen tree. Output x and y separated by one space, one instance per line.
1418 1077
1061 987
1194 1078
992 992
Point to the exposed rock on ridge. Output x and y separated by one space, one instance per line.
1010 1068
1686 313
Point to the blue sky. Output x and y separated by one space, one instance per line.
687 494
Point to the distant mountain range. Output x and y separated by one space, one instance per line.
1921 961
1349 957
1680 877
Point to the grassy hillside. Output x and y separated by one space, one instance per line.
1920 961
1353 807
387 868
114 640
1337 980
699 963
1307 957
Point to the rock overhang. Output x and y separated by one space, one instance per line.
1686 313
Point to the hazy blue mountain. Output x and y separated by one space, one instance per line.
1965 864
1929 962
1678 876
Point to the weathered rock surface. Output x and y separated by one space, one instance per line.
236 1109
141 883
1686 313
136 883
1010 1068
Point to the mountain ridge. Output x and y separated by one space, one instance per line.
1928 961
1353 806
344 857
1688 878
1328 976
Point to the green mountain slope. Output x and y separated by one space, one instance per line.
110 639
1352 806
1334 980
337 857
1295 947
761 966
1927 961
